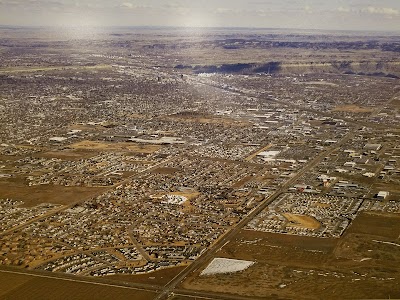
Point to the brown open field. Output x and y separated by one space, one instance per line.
44 69
265 281
8 282
372 251
319 83
67 154
165 170
353 109
302 221
161 277
21 287
209 119
384 225
188 195
296 267
395 103
280 247
103 146
392 188
322 204
34 195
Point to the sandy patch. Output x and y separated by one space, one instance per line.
226 265
352 108
302 221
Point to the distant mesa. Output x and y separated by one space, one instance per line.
362 68
238 68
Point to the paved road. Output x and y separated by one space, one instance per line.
138 245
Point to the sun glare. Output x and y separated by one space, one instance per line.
197 20
82 26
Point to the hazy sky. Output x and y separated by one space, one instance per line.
308 14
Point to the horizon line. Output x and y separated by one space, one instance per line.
199 28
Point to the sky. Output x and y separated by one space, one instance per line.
368 15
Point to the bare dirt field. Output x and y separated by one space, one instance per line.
161 277
320 83
189 195
44 69
296 267
324 205
302 221
353 109
34 195
102 146
8 282
209 119
384 225
67 155
178 297
393 189
277 246
25 287
165 170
